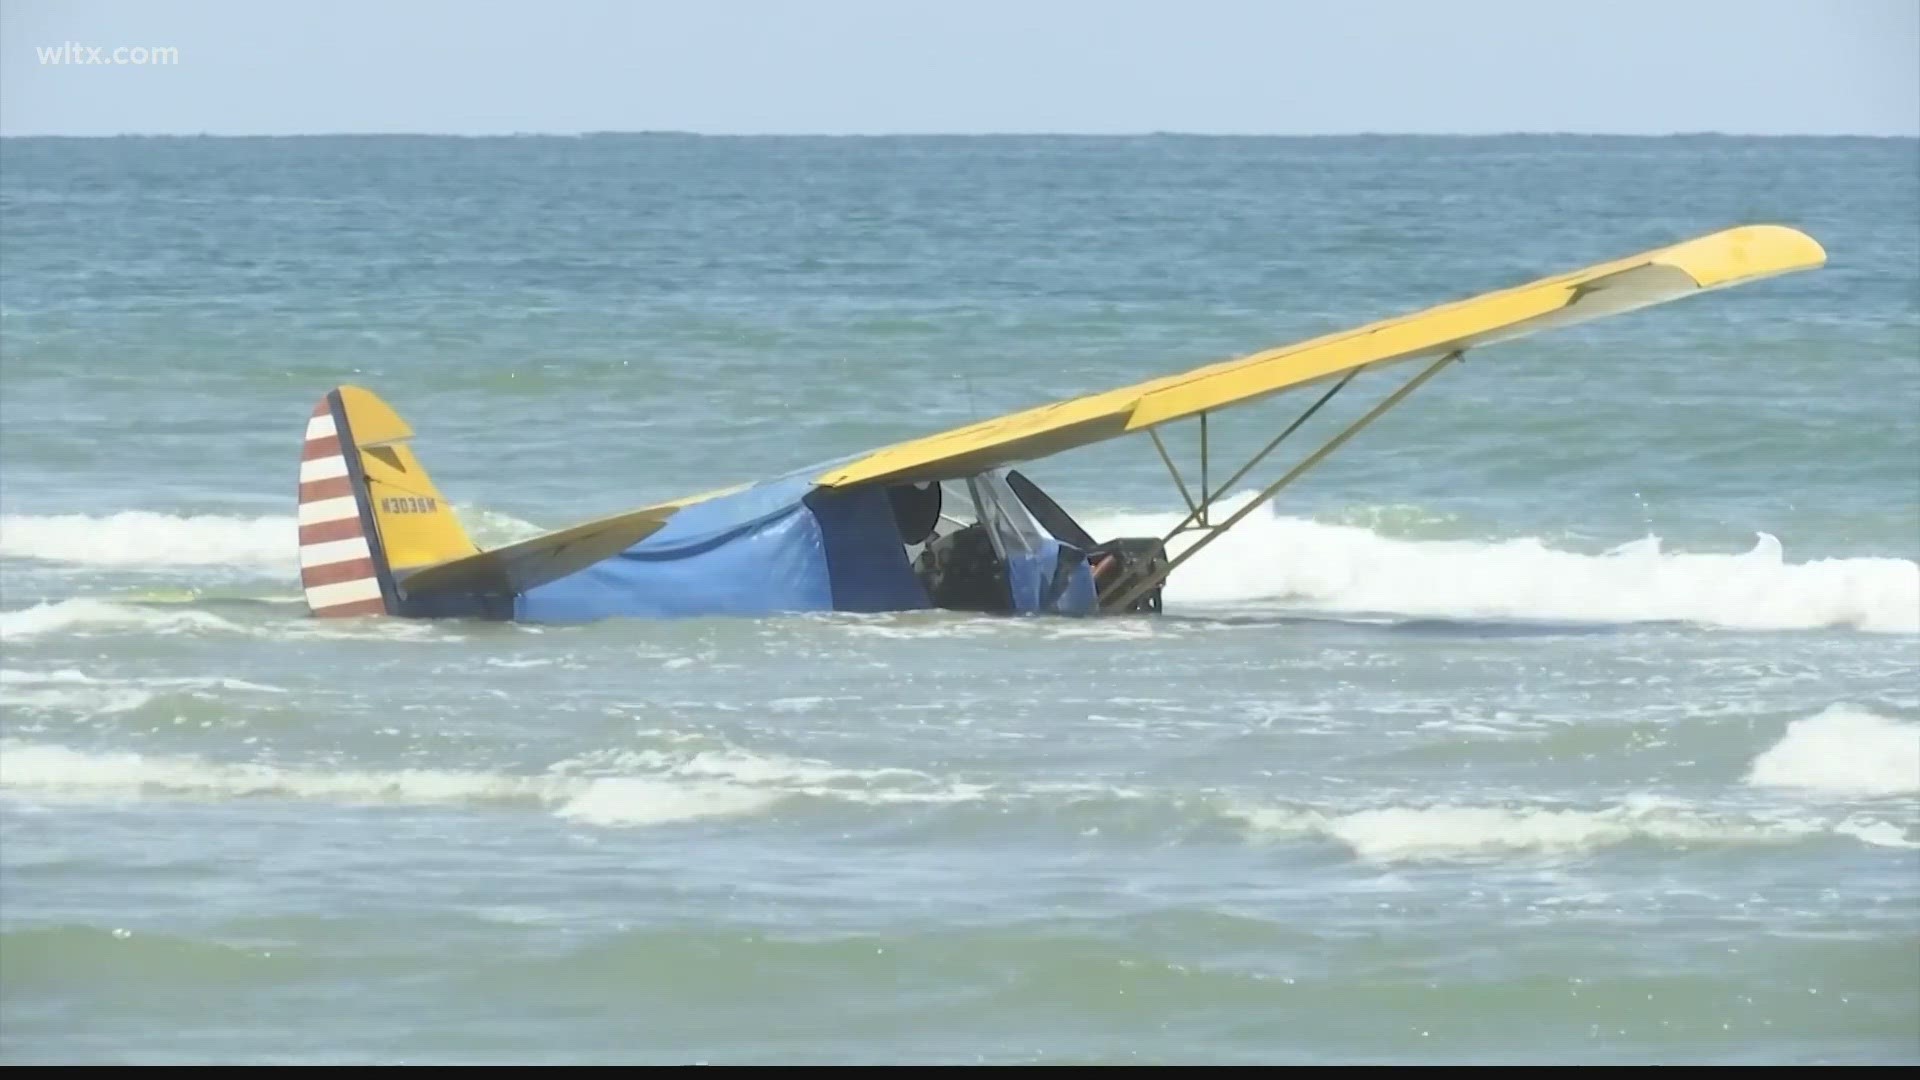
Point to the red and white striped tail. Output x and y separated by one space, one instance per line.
336 562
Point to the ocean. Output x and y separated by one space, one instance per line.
1568 714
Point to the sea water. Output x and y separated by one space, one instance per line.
1567 714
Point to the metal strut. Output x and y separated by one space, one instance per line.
1197 516
1147 584
1174 471
1203 469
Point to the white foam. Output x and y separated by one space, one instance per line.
764 771
1877 833
85 617
18 681
490 528
778 769
621 800
1843 751
63 675
607 788
1346 569
1443 833
140 538
58 772
1297 563
83 614
87 700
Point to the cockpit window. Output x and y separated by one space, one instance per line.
1009 525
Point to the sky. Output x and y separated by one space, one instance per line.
1818 67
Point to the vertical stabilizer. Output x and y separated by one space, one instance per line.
367 508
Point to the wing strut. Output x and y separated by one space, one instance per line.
1203 469
1174 471
1197 517
1146 584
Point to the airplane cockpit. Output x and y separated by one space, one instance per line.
1007 547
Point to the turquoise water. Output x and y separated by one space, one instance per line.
1566 714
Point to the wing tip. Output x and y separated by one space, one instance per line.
1745 253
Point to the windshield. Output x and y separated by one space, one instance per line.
1011 527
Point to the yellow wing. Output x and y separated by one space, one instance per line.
432 556
1716 260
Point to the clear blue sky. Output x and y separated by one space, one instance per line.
868 66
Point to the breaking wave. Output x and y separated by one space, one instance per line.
1269 560
63 773
1346 569
143 539
1414 834
69 690
87 617
68 615
1841 752
626 789
623 788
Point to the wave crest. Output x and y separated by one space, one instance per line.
1461 833
1266 560
144 539
1349 569
1843 751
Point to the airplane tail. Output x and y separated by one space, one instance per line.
369 513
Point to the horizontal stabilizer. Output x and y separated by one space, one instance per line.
516 568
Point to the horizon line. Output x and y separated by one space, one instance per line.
1144 134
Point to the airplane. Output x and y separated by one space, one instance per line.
862 532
